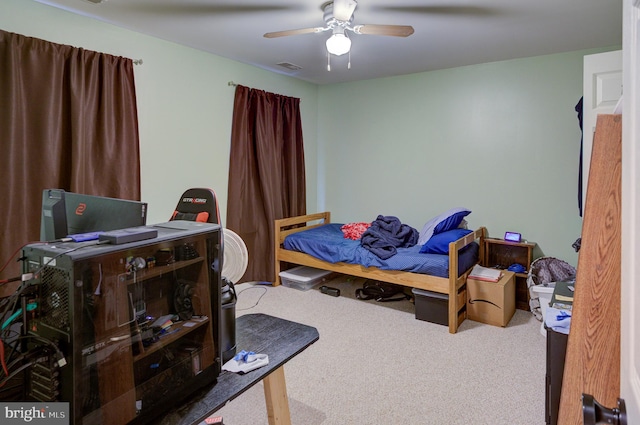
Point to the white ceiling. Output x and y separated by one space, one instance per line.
448 33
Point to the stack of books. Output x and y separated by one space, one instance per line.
485 273
562 297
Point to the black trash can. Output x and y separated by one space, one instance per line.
228 320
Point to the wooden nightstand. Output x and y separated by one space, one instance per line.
501 254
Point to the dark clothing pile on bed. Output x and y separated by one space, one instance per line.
386 234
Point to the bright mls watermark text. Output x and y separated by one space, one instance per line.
34 413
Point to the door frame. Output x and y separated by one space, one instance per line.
630 265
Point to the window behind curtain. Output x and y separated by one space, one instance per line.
266 173
68 120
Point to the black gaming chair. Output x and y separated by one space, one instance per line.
197 204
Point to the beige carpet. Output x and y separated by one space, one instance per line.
376 364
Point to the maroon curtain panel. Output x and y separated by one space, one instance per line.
266 173
68 120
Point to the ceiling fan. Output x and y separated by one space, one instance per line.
338 18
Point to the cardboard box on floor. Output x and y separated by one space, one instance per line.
493 303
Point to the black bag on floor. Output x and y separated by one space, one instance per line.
381 292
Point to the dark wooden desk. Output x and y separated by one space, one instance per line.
281 340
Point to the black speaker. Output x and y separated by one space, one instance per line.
182 299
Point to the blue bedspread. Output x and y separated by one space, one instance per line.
327 243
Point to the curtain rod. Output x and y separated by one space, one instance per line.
232 84
137 61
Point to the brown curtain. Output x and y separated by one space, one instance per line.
68 120
266 173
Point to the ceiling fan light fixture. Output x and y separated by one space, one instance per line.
338 44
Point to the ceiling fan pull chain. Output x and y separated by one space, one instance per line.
328 61
349 62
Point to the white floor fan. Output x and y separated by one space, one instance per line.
235 256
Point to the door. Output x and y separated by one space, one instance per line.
594 351
602 88
630 215
630 271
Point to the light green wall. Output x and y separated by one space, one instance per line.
501 139
184 102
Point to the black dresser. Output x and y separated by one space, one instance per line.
556 350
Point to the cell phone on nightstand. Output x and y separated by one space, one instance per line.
512 237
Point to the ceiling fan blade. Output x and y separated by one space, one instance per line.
343 9
443 10
293 32
197 8
393 30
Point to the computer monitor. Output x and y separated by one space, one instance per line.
86 213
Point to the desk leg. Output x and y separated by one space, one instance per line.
275 394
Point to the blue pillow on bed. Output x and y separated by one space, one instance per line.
439 244
446 221
451 222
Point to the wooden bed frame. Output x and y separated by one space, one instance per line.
453 286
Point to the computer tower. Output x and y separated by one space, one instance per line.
137 324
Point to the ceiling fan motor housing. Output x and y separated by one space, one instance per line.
331 20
